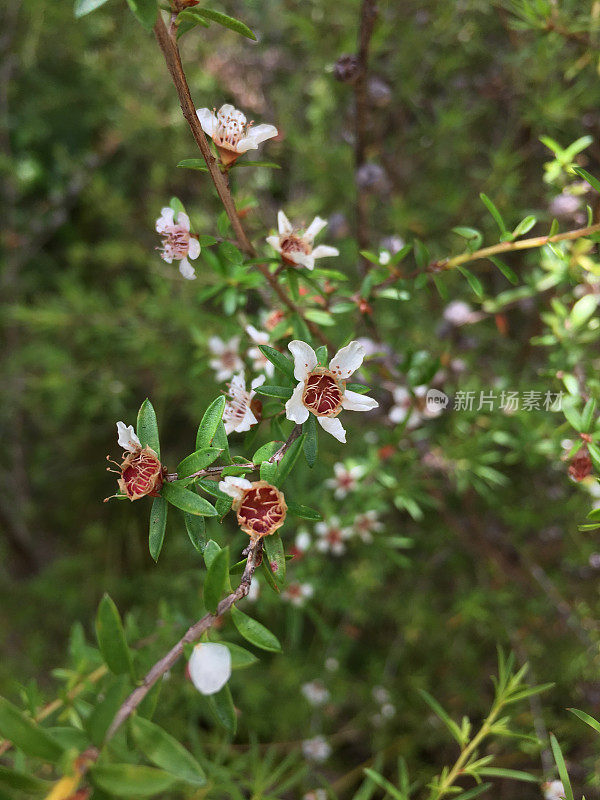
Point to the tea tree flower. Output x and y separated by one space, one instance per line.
322 391
260 507
241 408
316 749
178 244
346 479
366 524
296 247
140 472
230 132
260 362
226 361
297 593
210 667
553 790
315 692
332 537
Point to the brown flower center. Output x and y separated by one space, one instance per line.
141 474
176 242
293 244
323 395
262 510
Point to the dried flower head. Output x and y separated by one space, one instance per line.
260 507
178 244
581 465
140 472
296 246
230 132
347 68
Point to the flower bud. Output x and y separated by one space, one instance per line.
346 69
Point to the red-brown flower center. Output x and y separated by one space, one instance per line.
141 474
262 510
323 395
293 244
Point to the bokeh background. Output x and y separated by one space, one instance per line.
485 548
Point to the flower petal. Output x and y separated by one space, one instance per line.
128 439
258 382
210 667
347 360
256 136
315 227
283 224
183 220
186 269
260 337
193 248
165 220
274 242
208 121
353 401
305 359
247 422
234 486
324 251
333 426
295 408
302 259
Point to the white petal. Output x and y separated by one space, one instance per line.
234 486
247 422
165 220
257 336
210 667
127 437
333 426
324 250
186 269
227 110
258 382
347 360
208 121
245 144
216 345
305 359
353 401
238 384
302 259
315 227
260 133
183 220
283 224
193 248
274 242
295 408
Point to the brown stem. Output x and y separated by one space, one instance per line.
192 635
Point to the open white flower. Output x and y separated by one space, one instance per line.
238 415
177 242
210 667
332 537
553 790
316 749
296 247
127 438
346 479
297 593
230 132
227 359
366 524
315 692
260 362
322 391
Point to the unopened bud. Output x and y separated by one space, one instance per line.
347 68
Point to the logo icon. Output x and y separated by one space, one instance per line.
436 401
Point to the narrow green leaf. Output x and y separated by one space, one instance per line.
304 512
562 767
217 580
583 310
500 772
187 500
360 388
147 427
268 164
209 424
437 709
83 7
507 271
311 441
524 226
587 176
221 705
283 364
220 440
163 750
587 416
221 19
275 556
130 780
240 657
22 782
158 524
473 280
474 792
194 163
384 784
254 631
197 461
103 713
145 12
494 212
196 529
211 551
289 459
111 638
265 452
26 735
268 471
283 392
593 723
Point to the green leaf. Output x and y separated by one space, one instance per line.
211 551
220 440
187 500
217 580
268 471
265 452
254 632
284 392
289 459
147 427
472 235
507 271
209 424
360 388
130 780
221 705
474 281
283 364
240 657
494 212
587 176
593 723
524 226
111 638
439 711
474 792
197 461
220 19
104 711
145 11
163 750
194 163
275 556
500 772
319 317
158 524
304 512
587 416
268 164
311 441
83 7
583 310
384 784
562 767
196 529
26 735
22 782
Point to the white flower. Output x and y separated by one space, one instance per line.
237 414
388 710
177 243
316 749
366 524
345 480
553 790
254 591
297 593
296 248
380 694
230 132
227 359
384 257
460 313
322 391
127 438
303 541
403 408
260 362
235 487
316 794
332 536
210 667
331 664
315 692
